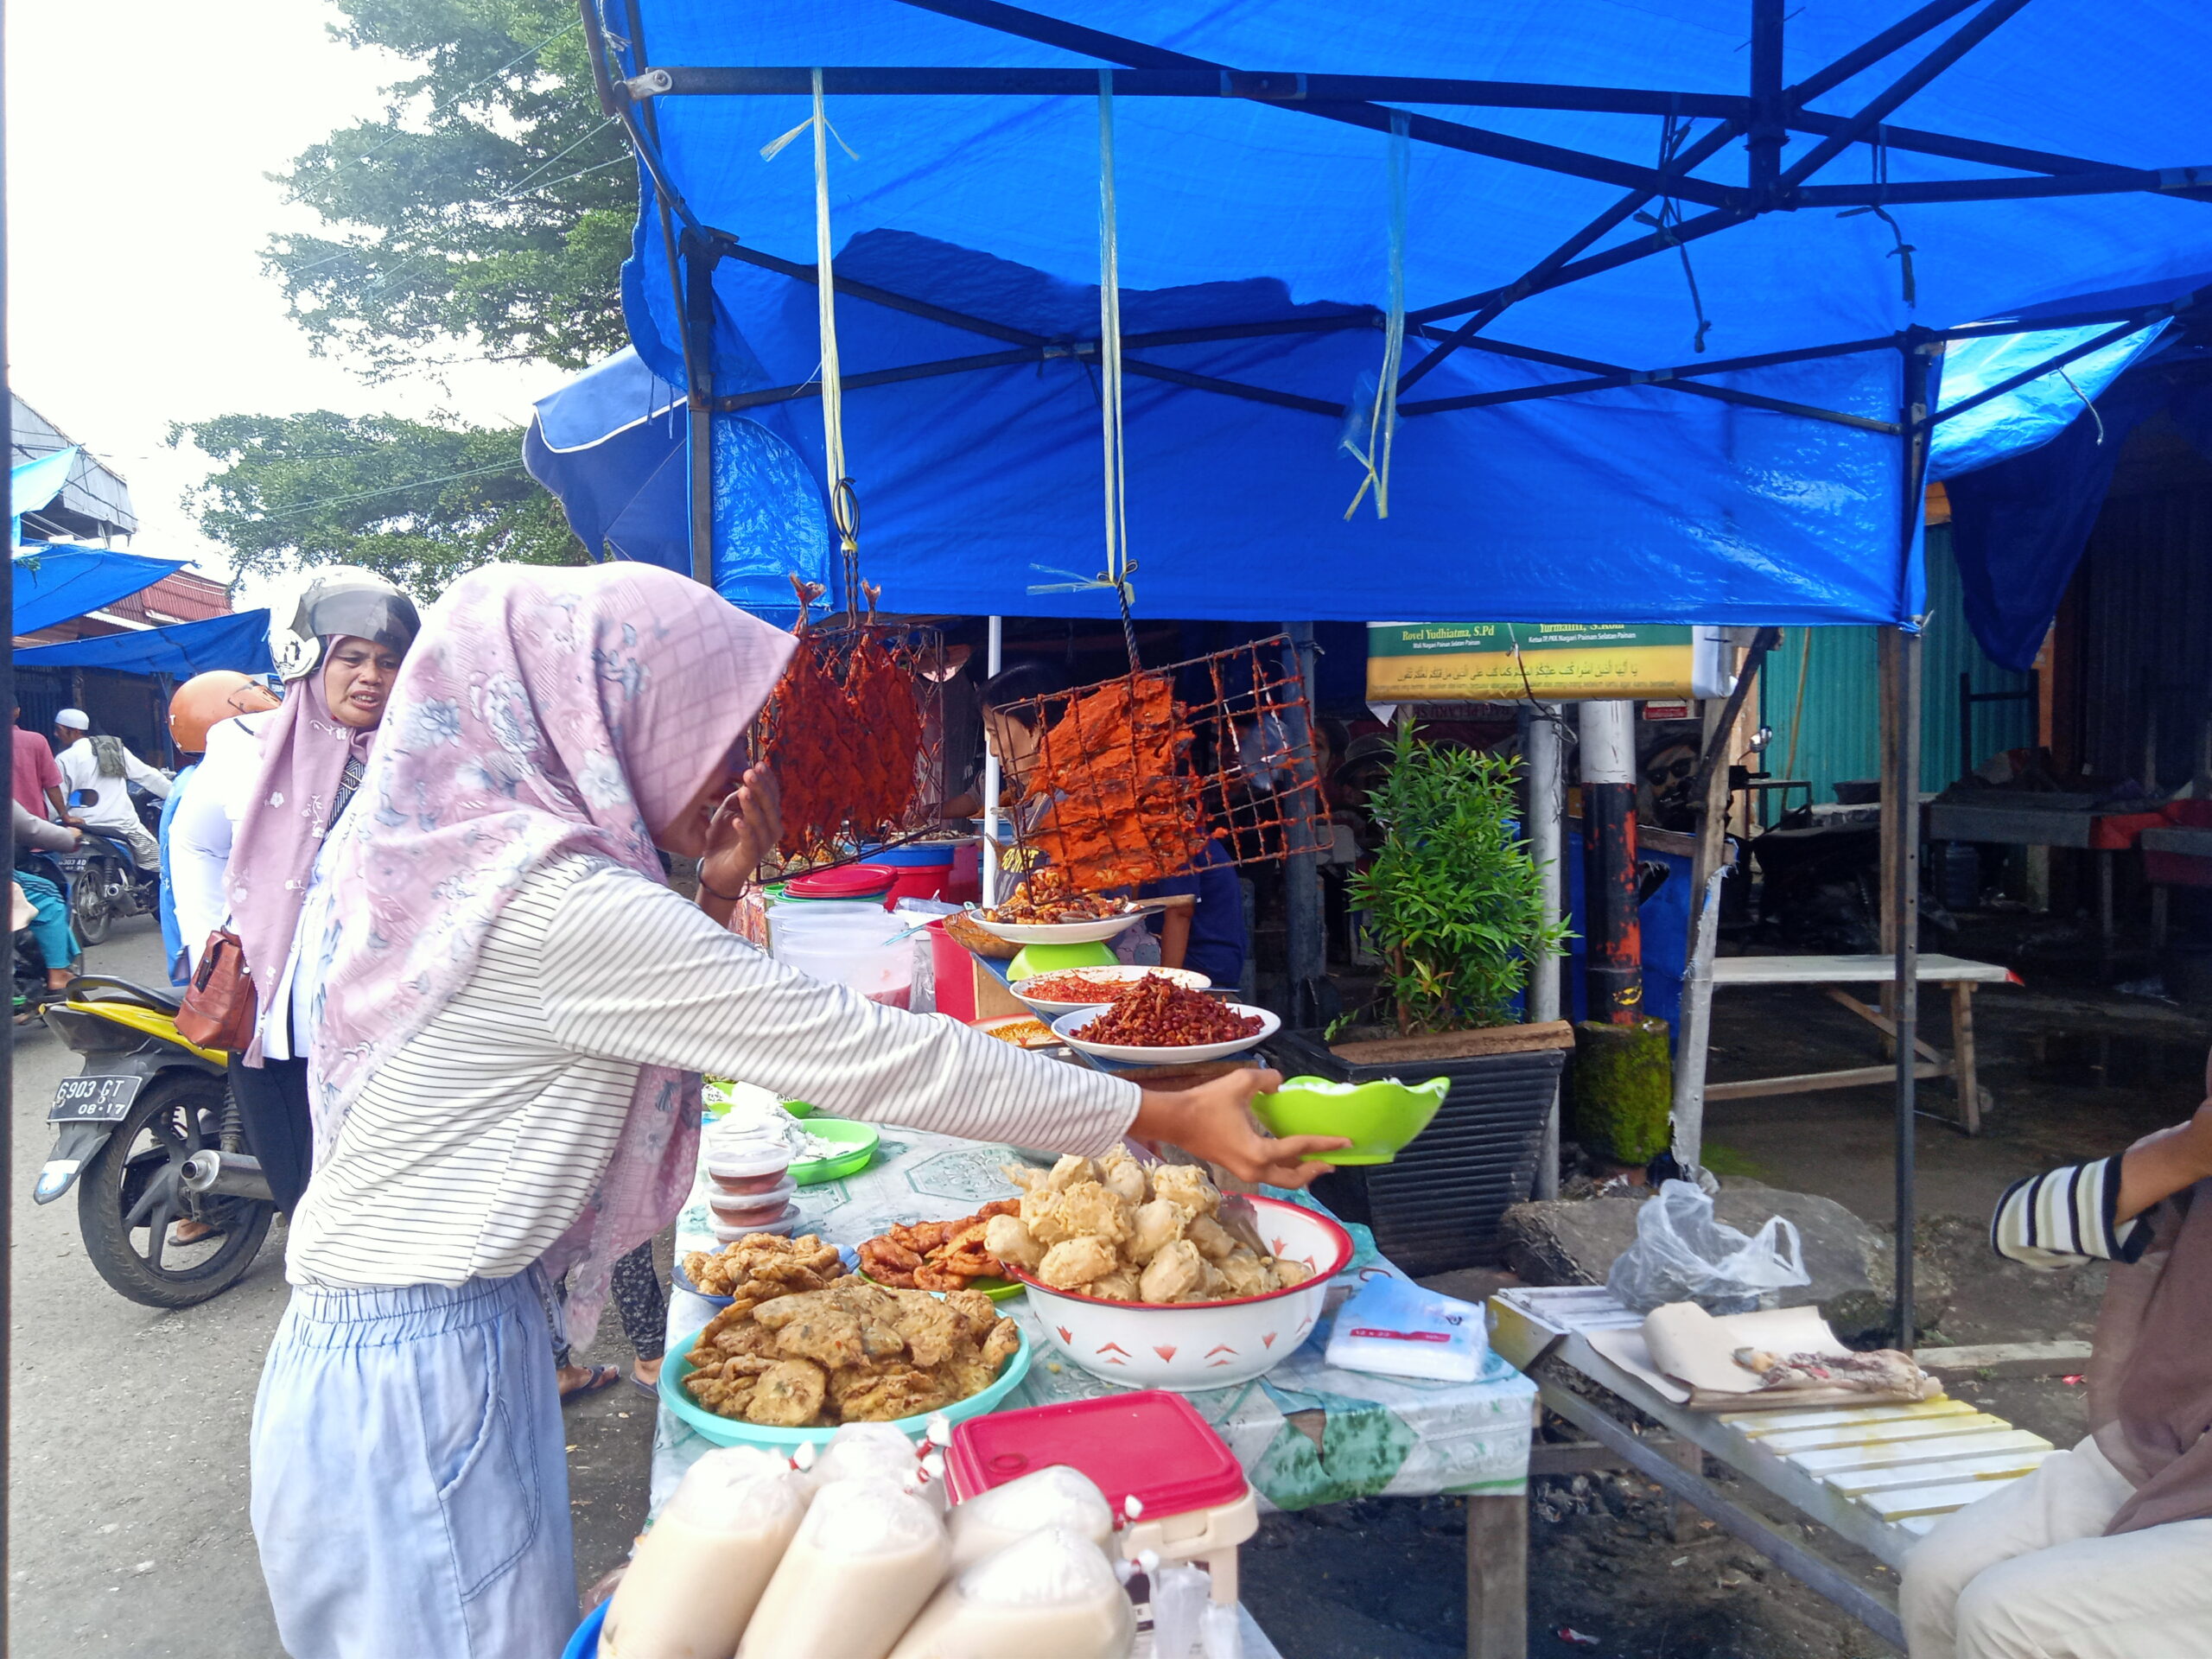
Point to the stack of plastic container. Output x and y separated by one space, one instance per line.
749 1187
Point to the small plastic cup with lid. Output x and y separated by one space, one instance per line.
783 1224
746 1209
748 1168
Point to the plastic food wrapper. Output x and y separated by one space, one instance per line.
860 1450
1050 1596
1393 1328
1179 1595
1684 1253
1056 1496
1221 1635
864 1560
699 1574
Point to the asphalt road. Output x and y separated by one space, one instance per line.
128 1530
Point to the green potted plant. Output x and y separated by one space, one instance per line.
1455 909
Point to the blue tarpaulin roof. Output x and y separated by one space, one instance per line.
1628 501
55 581
183 649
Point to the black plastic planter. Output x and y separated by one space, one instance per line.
1438 1206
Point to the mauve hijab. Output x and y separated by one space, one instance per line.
543 712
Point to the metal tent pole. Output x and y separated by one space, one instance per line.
988 854
1306 951
1547 816
8 1027
698 367
1904 794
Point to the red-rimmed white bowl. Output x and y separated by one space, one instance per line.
1188 1346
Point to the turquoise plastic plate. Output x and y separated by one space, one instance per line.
724 1431
861 1137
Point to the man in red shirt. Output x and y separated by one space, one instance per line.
37 779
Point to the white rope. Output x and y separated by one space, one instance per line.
1110 349
1382 413
843 504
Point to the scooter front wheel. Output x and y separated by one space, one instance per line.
128 1200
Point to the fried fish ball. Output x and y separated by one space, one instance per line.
1288 1272
1074 1263
1154 1227
1187 1184
1090 1210
1176 1271
1023 1176
1119 1173
1119 1286
1245 1275
1070 1169
1214 1241
1010 1240
788 1395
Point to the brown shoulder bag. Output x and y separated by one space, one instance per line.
219 1004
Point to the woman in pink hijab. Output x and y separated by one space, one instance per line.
512 1012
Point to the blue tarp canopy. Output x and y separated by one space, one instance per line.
1837 178
182 649
55 581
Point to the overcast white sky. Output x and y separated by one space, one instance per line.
139 136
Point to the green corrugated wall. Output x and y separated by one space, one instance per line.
1839 731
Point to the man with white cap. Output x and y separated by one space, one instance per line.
103 770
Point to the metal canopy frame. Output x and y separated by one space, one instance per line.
1763 118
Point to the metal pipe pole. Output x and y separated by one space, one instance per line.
1904 785
1547 818
7 1027
699 326
1305 945
1615 951
989 851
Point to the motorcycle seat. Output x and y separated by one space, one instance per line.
101 988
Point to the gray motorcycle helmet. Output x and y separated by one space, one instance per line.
335 604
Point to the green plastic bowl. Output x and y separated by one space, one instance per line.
1379 1118
1034 959
861 1137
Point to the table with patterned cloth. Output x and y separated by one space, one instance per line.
1377 1434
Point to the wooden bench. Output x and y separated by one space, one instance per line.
1879 1476
1831 974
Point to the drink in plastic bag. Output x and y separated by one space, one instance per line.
1053 1497
1050 1596
699 1573
864 1560
860 1450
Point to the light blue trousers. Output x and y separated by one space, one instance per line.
410 1480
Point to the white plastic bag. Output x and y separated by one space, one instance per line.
1684 1253
1055 1496
1052 1595
698 1574
1393 1328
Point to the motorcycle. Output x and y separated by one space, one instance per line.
148 1134
102 879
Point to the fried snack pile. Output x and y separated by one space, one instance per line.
1046 895
845 738
852 1352
1123 811
1115 1229
936 1255
1081 989
760 1266
1159 1014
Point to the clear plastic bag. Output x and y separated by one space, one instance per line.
1055 1496
1052 1595
699 1574
1684 1253
863 1562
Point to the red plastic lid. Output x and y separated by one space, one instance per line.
1152 1445
850 881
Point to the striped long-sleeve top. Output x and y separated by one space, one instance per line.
2065 1217
473 1147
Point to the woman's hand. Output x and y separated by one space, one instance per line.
743 831
1214 1120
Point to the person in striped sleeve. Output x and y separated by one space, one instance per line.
2105 1552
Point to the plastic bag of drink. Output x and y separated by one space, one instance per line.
1056 1496
860 1450
1049 1596
699 1574
862 1563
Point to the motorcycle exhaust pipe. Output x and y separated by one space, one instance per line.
232 1173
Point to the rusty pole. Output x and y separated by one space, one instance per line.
1615 951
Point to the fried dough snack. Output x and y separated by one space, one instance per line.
1121 1231
761 1266
849 1352
937 1254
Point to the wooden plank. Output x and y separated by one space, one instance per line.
2007 1466
1755 1424
1459 1044
1919 1525
1928 1500
1497 1577
1964 1082
1814 1440
1813 1083
1902 1454
1852 971
1880 1021
2007 1359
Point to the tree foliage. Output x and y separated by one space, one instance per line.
417 503
1455 900
490 205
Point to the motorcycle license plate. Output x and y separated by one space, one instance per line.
97 1100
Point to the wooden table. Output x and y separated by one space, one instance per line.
1831 974
1880 1476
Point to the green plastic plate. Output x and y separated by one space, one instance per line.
861 1137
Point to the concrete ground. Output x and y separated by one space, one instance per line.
128 1534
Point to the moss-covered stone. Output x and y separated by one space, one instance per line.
1624 1090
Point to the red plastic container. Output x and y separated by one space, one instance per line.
1152 1445
913 881
956 975
847 881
